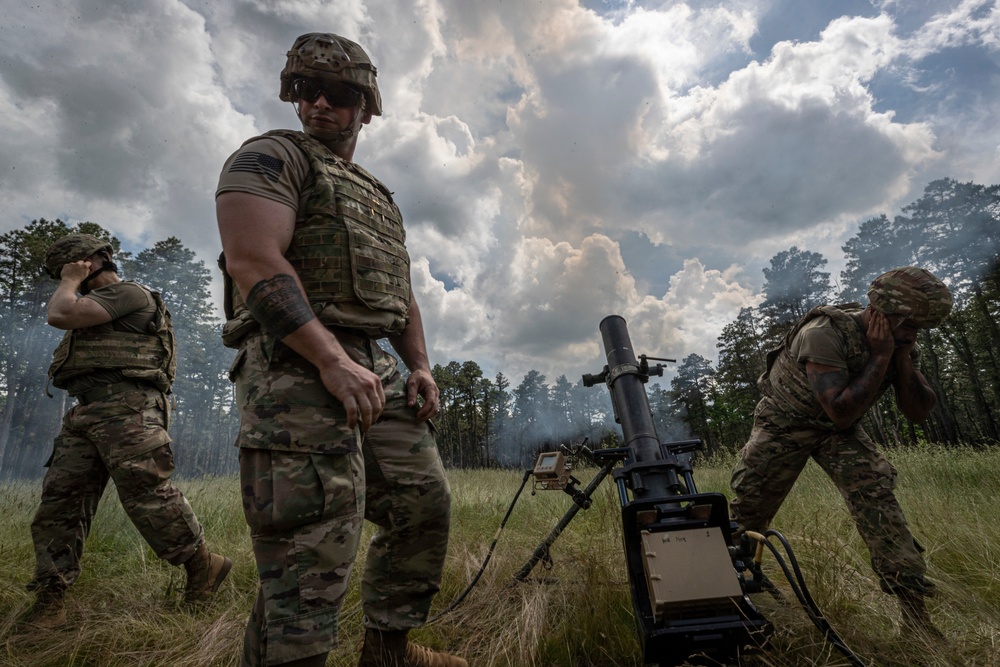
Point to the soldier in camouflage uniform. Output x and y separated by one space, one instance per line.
330 432
829 370
117 360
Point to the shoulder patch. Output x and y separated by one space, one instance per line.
258 163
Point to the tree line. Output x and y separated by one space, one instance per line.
952 230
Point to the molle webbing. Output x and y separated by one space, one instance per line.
141 356
348 242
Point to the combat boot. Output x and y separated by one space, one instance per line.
914 615
49 610
392 649
205 573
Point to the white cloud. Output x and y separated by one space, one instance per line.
787 144
123 122
523 140
970 22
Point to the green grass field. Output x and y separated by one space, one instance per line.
124 610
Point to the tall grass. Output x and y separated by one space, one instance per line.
575 611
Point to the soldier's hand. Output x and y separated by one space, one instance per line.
879 335
421 383
76 271
903 349
359 390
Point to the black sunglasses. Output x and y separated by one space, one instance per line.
337 94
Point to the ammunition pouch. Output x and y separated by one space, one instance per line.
236 329
239 322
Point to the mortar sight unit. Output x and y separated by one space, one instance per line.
689 593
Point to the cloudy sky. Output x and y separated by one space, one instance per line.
556 161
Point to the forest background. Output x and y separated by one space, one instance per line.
489 422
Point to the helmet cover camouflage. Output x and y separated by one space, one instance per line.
73 248
323 55
912 292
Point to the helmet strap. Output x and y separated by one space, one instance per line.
338 136
106 265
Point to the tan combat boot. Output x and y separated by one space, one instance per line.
48 612
392 649
205 573
916 619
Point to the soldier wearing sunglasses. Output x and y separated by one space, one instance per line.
330 432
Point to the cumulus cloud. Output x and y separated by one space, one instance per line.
545 154
119 124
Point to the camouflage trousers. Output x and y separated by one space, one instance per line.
123 438
306 509
772 460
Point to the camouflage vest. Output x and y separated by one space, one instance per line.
148 356
347 248
784 379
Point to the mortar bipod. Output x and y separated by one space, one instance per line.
581 500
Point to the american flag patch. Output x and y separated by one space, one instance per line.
258 163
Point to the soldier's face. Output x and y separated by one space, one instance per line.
325 110
904 330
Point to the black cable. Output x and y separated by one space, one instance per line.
798 572
489 554
801 592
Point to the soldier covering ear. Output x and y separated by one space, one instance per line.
819 382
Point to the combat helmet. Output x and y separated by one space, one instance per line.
912 292
323 55
73 248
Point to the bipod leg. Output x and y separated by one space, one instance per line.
768 585
542 550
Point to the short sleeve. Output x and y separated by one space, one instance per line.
820 342
129 304
269 167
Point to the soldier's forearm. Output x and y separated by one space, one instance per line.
845 399
862 392
410 344
914 394
279 305
283 311
61 302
